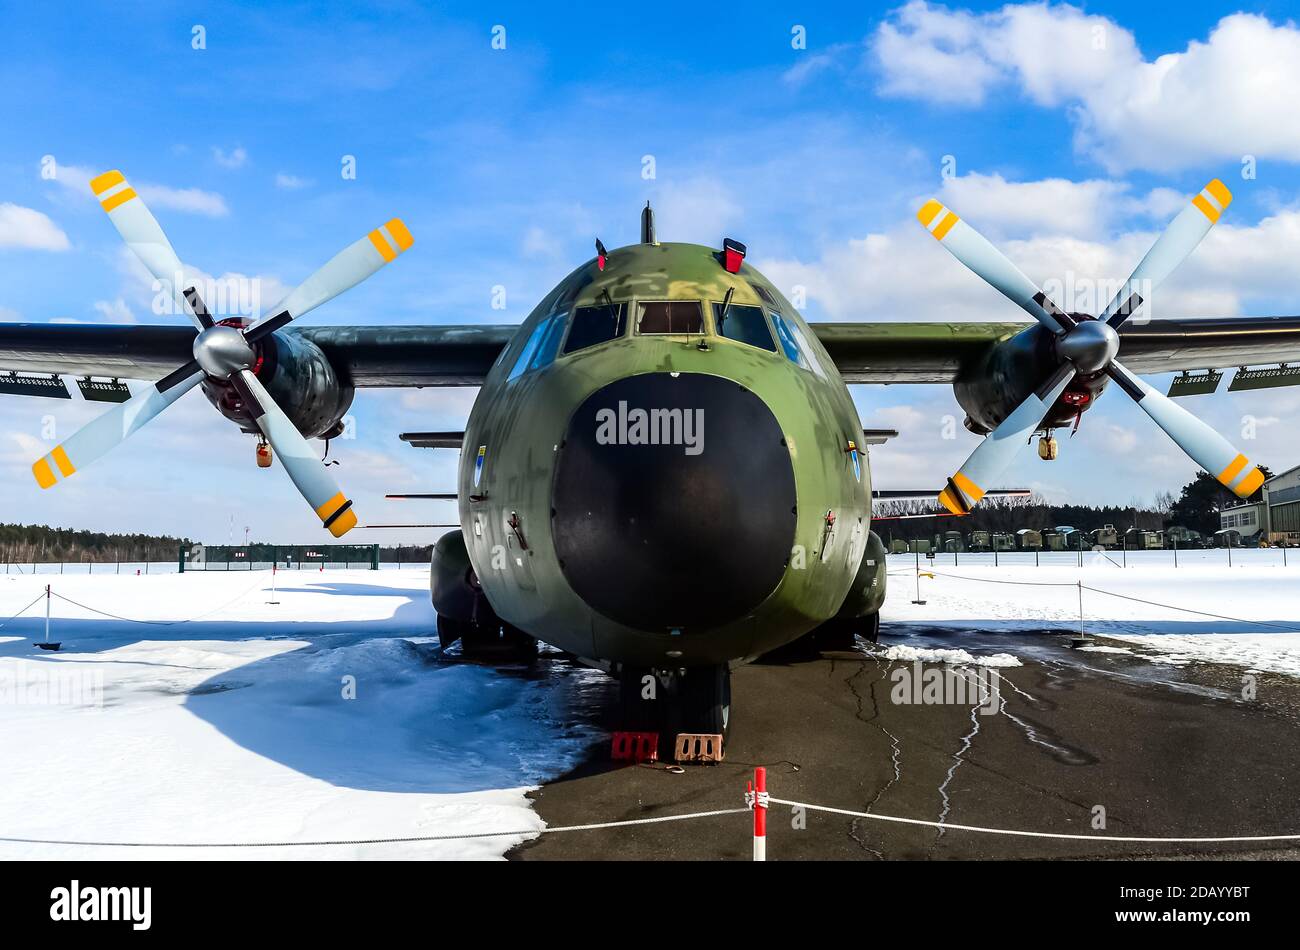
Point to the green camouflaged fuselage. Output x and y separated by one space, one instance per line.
506 506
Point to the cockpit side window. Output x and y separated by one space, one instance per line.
671 316
796 345
540 348
789 345
549 344
593 325
744 324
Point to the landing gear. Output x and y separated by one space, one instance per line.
493 641
840 633
1047 447
835 635
704 701
694 699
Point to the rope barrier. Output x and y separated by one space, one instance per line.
1111 593
757 801
39 598
355 841
949 826
159 623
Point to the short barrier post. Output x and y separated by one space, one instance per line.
758 801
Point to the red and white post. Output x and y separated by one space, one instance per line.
759 792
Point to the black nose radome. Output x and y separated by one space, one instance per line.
673 501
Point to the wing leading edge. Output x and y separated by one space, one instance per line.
938 352
461 355
371 356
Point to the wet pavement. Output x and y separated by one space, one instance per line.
1059 744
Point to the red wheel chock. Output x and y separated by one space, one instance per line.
635 747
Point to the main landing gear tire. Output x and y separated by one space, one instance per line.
839 633
489 642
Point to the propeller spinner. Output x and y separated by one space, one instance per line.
224 353
1088 347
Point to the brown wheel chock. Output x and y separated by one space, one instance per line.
698 747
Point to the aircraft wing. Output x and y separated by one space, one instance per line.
937 352
369 356
460 355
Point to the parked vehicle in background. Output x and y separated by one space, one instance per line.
1106 536
1027 539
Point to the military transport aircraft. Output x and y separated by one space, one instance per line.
666 475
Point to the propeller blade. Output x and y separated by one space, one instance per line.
346 269
973 249
1170 250
1202 444
995 454
312 479
145 237
103 433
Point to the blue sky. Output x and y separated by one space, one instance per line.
507 163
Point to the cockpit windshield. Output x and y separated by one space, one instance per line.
592 325
670 316
744 324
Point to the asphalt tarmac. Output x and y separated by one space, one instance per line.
1165 751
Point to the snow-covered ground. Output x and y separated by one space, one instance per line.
238 726
1247 614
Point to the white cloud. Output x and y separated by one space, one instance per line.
538 242
1213 101
812 64
190 200
229 294
115 311
290 182
1048 206
936 54
76 179
28 228
1118 439
235 158
698 210
902 274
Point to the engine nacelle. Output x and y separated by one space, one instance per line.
301 380
992 388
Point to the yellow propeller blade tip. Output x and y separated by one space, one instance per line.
101 183
951 503
1220 192
44 474
343 523
401 233
928 211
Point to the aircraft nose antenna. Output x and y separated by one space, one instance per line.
648 225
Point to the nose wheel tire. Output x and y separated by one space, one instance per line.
705 700
694 700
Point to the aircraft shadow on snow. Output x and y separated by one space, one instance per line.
418 722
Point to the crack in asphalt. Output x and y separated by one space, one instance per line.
896 751
966 742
